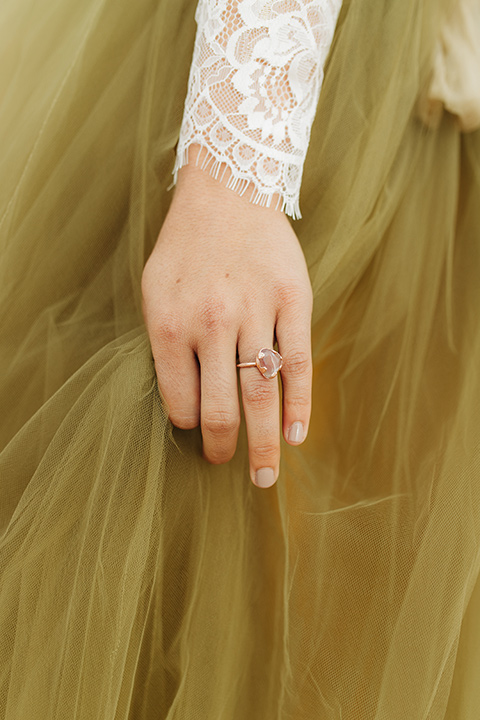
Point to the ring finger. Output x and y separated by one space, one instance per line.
261 406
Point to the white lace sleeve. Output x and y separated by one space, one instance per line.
253 90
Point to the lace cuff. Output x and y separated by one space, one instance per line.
253 90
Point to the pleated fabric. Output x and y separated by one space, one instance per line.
137 581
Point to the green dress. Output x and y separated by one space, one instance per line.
137 581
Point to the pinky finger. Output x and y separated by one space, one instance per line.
295 347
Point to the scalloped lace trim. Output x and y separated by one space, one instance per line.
213 164
254 84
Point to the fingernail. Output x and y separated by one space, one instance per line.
264 478
296 434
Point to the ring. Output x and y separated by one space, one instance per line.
267 361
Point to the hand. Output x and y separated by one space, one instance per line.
226 273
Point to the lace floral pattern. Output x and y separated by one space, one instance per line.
254 85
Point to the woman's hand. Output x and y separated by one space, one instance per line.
227 273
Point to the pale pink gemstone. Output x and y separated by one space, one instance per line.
269 362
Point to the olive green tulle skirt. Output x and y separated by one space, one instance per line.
138 582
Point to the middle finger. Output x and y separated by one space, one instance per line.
220 412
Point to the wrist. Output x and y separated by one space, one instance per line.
205 179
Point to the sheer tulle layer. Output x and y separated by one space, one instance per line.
139 582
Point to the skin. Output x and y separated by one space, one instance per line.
227 274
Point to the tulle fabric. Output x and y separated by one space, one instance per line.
136 580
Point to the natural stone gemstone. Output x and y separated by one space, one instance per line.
269 362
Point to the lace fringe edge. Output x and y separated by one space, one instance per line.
213 165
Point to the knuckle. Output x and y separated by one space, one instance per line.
292 294
266 452
301 404
259 392
213 314
169 328
298 365
221 422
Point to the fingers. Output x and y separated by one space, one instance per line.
220 411
205 390
293 331
261 407
177 372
